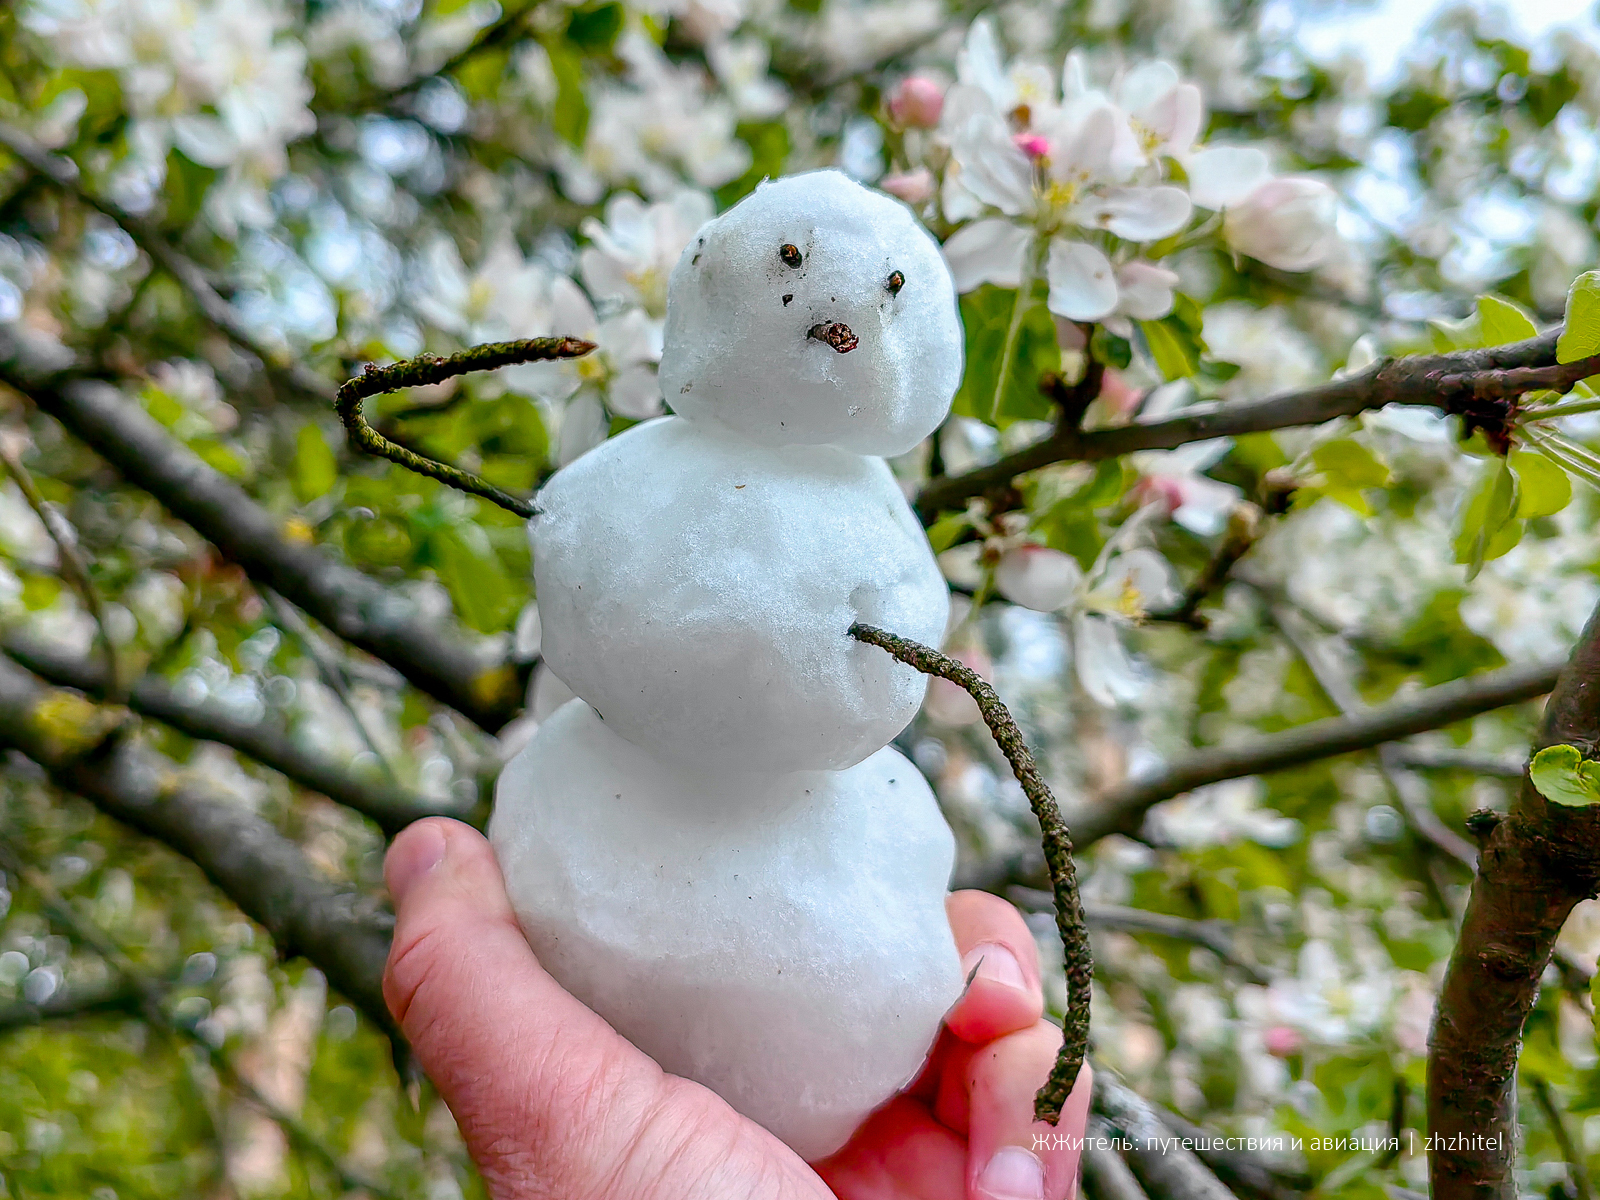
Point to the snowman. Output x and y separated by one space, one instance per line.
713 846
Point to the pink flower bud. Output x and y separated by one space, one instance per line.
1034 145
1282 1040
914 187
1117 394
1166 490
916 103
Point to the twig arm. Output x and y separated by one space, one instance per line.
1057 854
429 368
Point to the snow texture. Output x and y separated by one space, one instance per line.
780 939
799 254
697 589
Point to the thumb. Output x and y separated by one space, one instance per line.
533 1077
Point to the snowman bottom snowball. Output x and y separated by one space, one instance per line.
781 939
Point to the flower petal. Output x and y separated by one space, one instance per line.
1142 214
1224 175
992 168
988 251
1109 674
1144 290
1082 285
636 394
1038 577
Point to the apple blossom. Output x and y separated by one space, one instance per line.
1285 223
914 187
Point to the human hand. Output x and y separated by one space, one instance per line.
554 1103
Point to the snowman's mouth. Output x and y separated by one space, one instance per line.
836 334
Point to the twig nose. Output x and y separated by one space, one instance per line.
836 334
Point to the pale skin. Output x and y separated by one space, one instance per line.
555 1104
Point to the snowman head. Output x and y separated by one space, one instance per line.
818 312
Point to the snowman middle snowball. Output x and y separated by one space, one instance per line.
712 846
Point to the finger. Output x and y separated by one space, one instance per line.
999 953
900 1151
534 1078
1010 1156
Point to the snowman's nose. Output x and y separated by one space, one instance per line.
836 334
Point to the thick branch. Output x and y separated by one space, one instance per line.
429 368
259 869
1434 380
359 609
1535 866
389 806
1057 843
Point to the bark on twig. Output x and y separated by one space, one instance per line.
1057 844
386 804
1535 866
429 368
434 657
1105 1175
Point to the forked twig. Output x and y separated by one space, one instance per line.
429 368
1057 854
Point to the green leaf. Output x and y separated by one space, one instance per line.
1543 486
942 534
1108 348
986 315
1563 776
1347 469
314 470
570 115
1173 346
594 27
1581 337
1488 519
1503 322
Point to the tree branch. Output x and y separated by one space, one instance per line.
222 316
1162 1168
260 870
1533 869
1215 935
1105 1175
1448 381
362 611
1057 844
149 1001
65 1004
389 806
1122 810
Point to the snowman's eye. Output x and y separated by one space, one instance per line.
790 255
895 282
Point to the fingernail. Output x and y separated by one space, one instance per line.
994 961
1012 1174
418 851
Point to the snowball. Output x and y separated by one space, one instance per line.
780 939
697 588
814 252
